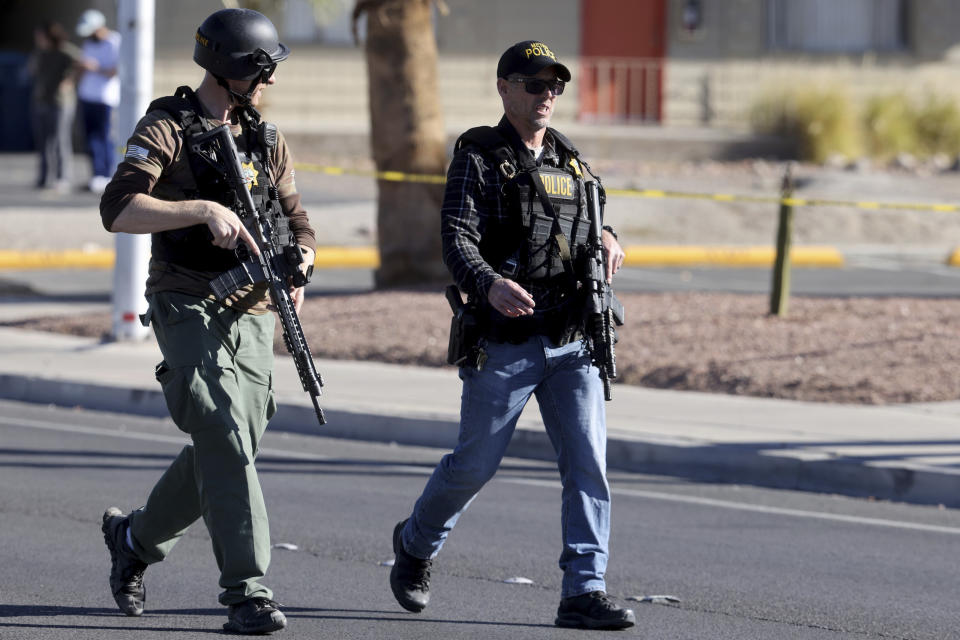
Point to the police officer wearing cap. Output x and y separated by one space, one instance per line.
509 188
216 372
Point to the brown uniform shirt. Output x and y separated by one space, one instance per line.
156 163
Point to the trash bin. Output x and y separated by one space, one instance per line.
16 131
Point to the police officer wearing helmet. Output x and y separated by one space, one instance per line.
217 363
502 245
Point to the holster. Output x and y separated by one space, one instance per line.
464 338
465 332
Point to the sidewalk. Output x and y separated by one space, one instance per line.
905 453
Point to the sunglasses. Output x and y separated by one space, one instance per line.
267 72
536 86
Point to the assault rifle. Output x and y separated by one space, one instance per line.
603 310
278 266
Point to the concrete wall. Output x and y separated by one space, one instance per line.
934 29
720 94
730 29
738 29
490 26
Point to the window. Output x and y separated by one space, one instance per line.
832 26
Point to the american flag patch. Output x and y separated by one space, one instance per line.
136 152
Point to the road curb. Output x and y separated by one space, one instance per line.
710 462
728 256
368 257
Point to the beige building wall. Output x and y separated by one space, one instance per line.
740 29
731 29
488 27
713 77
934 29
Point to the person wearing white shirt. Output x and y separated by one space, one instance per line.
98 93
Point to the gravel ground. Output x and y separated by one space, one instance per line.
852 350
855 350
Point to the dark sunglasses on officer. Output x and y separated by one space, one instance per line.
267 66
536 86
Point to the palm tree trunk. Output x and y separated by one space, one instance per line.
407 135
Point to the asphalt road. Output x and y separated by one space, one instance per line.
745 563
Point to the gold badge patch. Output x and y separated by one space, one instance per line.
249 175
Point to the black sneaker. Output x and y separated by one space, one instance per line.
409 576
256 615
594 610
126 569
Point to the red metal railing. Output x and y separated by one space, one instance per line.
621 89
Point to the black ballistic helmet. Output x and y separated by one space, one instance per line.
238 44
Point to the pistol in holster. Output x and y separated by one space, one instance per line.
464 349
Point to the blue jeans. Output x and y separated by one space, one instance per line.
96 126
570 395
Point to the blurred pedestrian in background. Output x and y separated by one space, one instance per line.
53 66
99 93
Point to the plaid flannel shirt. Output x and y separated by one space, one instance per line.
474 202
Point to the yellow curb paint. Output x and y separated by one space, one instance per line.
326 258
681 256
369 258
954 259
347 258
71 259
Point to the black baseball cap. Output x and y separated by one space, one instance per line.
528 58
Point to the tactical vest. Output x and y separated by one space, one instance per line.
525 250
192 247
535 259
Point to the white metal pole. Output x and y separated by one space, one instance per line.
135 20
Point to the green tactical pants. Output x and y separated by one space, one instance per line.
216 377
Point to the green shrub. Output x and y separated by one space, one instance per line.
890 126
822 122
938 125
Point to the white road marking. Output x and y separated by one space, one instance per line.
758 508
420 470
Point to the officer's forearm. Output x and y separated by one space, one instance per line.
146 214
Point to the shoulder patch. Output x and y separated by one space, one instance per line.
136 152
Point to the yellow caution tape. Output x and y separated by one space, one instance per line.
400 176
388 176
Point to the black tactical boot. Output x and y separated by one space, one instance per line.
594 610
256 615
410 576
126 569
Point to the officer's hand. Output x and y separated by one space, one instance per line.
509 298
226 227
614 253
308 257
297 295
